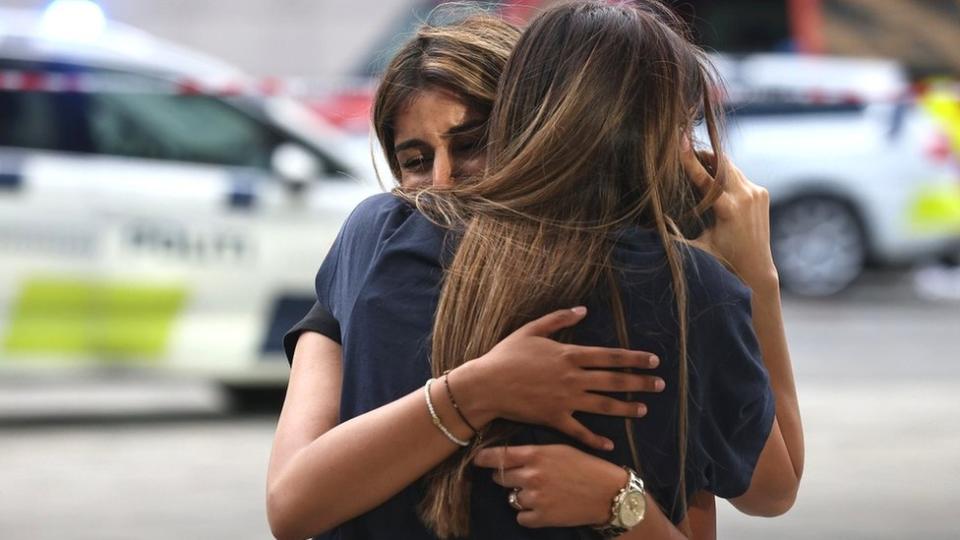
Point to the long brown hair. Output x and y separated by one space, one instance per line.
465 57
584 139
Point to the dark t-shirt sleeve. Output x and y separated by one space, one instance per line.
737 403
318 319
346 266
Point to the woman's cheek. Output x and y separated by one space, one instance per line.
414 180
472 166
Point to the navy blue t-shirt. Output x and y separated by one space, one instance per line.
379 287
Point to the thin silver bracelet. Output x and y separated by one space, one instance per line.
436 419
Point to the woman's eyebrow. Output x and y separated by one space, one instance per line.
469 125
409 143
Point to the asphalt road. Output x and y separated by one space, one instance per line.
877 369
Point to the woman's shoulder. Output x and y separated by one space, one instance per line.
374 220
711 283
376 210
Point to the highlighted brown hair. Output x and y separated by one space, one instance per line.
584 139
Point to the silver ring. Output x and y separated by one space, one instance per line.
514 500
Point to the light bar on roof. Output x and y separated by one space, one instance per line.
73 20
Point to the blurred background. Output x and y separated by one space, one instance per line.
173 172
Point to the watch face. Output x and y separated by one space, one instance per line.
632 509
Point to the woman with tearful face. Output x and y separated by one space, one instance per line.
430 116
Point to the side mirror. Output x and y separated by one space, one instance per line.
294 164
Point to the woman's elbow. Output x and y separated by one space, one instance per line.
289 519
771 503
279 516
275 517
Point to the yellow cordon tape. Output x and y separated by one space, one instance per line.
110 321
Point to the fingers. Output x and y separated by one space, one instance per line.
530 519
599 357
695 170
504 457
570 426
618 381
511 478
599 404
552 323
724 171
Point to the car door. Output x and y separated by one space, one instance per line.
52 242
192 243
197 207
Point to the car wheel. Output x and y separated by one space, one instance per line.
818 244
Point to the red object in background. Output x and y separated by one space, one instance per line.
806 25
938 147
520 12
349 110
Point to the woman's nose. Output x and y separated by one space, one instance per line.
442 170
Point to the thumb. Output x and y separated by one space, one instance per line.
553 322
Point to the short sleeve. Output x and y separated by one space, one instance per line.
736 401
319 320
346 265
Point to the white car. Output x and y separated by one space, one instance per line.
147 222
856 171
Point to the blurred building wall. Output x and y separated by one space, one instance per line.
316 39
923 34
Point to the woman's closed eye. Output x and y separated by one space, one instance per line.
416 163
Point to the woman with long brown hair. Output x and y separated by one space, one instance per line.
430 115
584 201
590 147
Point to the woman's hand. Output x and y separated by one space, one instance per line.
560 486
532 379
741 234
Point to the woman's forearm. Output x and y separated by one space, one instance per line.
700 522
656 525
776 476
351 468
361 463
768 325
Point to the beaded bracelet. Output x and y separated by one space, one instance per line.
436 419
456 406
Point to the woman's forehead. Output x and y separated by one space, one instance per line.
433 111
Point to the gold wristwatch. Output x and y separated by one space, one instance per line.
629 506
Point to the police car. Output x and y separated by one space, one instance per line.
859 171
158 208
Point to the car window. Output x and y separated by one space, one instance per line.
177 128
139 115
43 121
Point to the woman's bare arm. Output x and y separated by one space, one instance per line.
355 466
702 516
312 404
741 236
311 409
316 486
776 478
